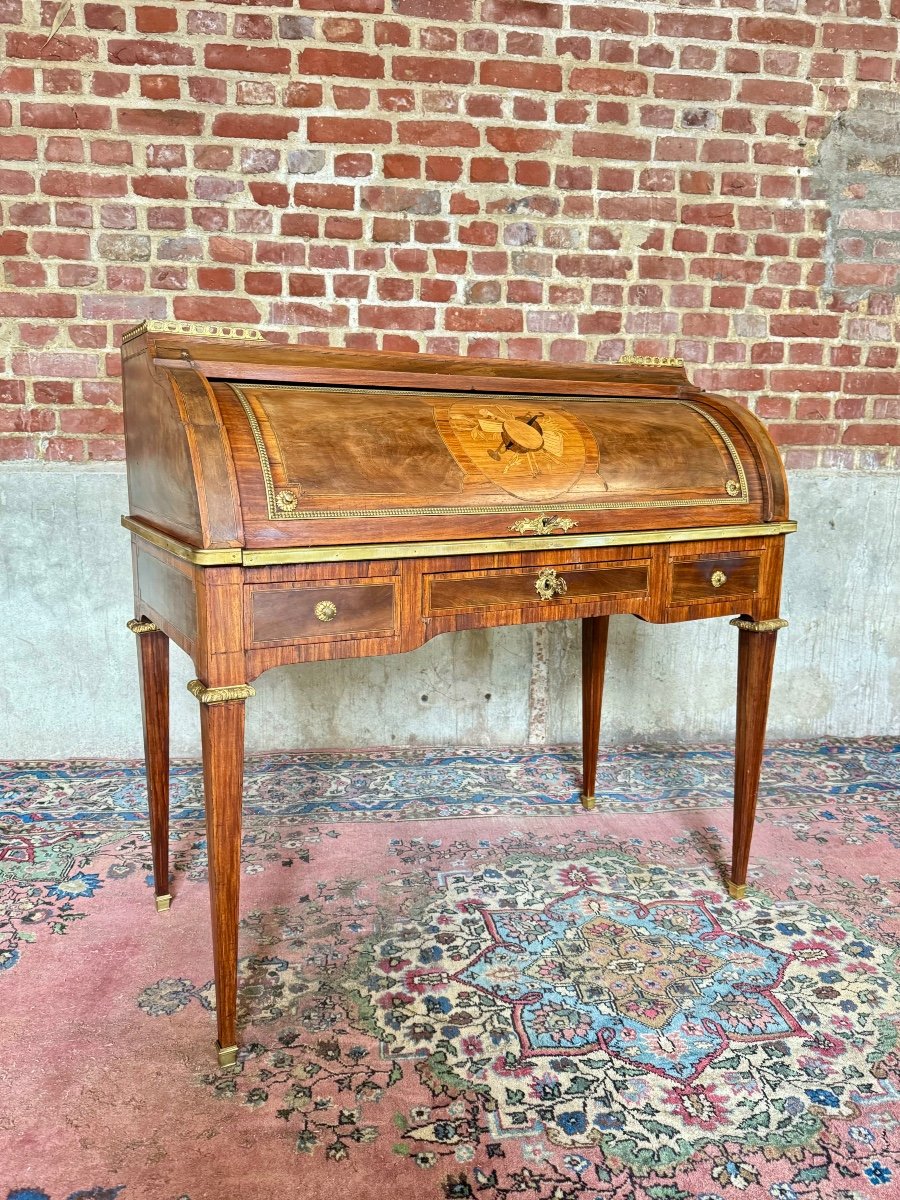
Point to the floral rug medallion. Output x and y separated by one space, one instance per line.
630 1005
661 984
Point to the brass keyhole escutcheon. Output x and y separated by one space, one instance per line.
718 578
326 610
548 584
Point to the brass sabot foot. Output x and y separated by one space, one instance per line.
227 1055
589 803
163 903
736 890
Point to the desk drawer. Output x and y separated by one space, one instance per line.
321 611
714 577
539 586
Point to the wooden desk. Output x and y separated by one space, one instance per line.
289 505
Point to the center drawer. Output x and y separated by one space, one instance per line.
449 592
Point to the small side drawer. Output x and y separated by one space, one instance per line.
321 611
448 593
711 577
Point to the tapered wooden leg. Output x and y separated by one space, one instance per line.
153 668
594 632
222 732
756 655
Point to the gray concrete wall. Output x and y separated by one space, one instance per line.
67 664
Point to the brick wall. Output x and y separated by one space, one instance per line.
717 180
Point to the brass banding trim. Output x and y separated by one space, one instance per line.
585 541
192 554
446 549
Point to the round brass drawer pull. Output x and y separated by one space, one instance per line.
547 585
325 610
718 578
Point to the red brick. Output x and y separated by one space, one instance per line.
776 91
248 59
90 420
871 435
605 82
348 130
319 61
434 10
17 449
475 320
16 79
64 116
150 19
609 20
52 391
437 133
56 365
161 87
68 47
166 121
593 266
342 29
22 147
522 12
805 326
68 183
160 187
324 195
433 69
539 77
61 245
104 16
263 127
391 33
143 53
303 95
701 26
407 316
691 87
443 168
779 31
218 308
610 145
867 383
855 36
708 214
521 141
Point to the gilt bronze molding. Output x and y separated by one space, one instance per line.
220 695
137 626
772 625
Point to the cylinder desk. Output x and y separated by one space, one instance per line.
291 504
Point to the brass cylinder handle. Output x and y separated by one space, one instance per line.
548 584
718 578
326 610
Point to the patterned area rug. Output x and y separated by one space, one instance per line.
455 983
